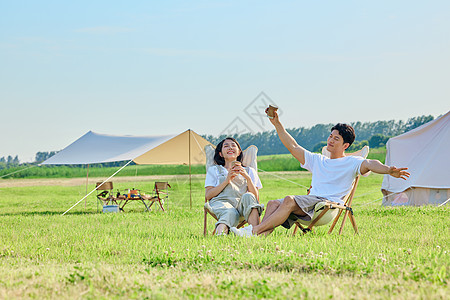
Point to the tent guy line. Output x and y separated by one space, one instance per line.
17 171
98 187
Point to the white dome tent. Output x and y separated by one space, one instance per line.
426 152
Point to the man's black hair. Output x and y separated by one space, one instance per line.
346 131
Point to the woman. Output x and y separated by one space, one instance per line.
232 189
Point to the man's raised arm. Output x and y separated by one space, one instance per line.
288 141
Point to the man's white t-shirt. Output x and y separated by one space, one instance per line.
212 176
332 178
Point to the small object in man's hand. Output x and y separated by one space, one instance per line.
270 111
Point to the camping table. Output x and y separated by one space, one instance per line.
138 197
131 197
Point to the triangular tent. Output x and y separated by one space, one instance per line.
424 151
185 148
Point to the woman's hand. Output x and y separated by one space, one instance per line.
211 192
239 170
231 174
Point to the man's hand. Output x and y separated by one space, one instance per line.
399 172
288 141
275 120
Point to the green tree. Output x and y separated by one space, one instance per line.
378 140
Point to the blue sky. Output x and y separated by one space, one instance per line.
161 67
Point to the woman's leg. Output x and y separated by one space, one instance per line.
250 209
226 214
253 218
221 229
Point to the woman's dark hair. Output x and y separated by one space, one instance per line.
346 131
219 159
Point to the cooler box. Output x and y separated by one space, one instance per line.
110 208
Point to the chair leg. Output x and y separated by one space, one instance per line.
353 221
205 222
318 217
306 230
335 221
160 204
295 229
343 222
241 224
303 229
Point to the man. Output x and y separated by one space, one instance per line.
331 178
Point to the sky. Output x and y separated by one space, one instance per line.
162 67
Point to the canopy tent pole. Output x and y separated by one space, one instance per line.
87 178
190 174
98 186
135 176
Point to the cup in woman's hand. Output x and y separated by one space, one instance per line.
270 111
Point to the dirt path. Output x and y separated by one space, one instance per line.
82 181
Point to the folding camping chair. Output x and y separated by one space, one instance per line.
106 196
159 194
327 211
249 160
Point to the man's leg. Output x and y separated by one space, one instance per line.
278 216
272 206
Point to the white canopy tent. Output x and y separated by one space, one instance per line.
101 148
425 152
186 148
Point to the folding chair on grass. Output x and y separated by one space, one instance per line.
106 196
248 159
327 211
160 194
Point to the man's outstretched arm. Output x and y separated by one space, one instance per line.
288 141
377 167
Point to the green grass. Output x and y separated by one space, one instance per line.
400 253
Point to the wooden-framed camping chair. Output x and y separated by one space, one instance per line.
249 159
327 211
106 196
160 194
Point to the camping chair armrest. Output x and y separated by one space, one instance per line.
333 205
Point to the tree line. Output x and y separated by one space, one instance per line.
374 134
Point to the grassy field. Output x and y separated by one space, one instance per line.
400 253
